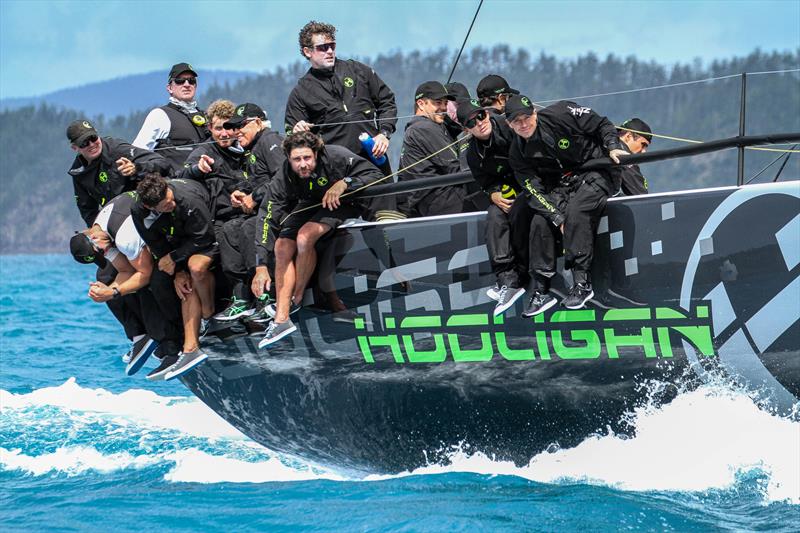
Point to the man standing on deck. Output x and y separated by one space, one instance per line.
552 144
428 150
175 128
341 99
636 137
105 167
303 204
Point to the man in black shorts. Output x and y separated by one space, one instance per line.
304 203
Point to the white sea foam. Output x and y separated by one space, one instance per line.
72 460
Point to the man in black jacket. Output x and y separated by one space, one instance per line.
174 219
303 204
552 144
428 150
487 156
636 137
493 91
175 128
105 167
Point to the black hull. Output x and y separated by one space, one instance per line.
687 284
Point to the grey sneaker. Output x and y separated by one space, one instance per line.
140 352
276 332
157 374
579 294
186 362
494 292
539 303
508 296
237 309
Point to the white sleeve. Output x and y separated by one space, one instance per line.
156 127
128 241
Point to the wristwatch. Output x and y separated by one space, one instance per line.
117 294
347 180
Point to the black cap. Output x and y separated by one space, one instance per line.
244 112
176 70
80 130
433 90
493 85
466 109
84 251
518 104
459 90
639 127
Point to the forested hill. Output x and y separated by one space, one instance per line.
37 210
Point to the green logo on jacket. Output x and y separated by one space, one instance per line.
103 177
563 144
348 82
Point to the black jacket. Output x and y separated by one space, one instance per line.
351 91
263 160
98 181
226 173
630 177
488 160
288 191
424 137
186 230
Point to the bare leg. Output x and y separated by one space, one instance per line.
190 310
284 277
306 260
203 282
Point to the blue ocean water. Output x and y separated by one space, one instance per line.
82 447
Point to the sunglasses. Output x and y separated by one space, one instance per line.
324 47
182 81
478 117
89 140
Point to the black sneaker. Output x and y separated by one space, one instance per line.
142 349
158 374
276 331
508 296
237 309
186 362
579 294
539 303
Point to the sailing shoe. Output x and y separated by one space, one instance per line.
141 350
186 362
237 309
508 295
126 357
276 332
539 303
494 292
579 294
205 326
273 308
157 374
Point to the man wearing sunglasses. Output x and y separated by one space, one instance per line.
105 167
175 129
487 157
341 99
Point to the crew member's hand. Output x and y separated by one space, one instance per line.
561 227
381 145
261 282
166 265
183 285
236 198
248 204
302 126
126 167
100 292
205 164
331 199
502 203
615 155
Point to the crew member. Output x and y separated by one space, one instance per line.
493 92
487 157
428 150
303 204
636 137
174 219
175 129
553 143
123 279
105 167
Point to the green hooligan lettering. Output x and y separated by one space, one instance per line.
439 352
511 354
592 347
701 337
614 341
541 339
484 353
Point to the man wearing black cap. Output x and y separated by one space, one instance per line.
175 128
636 137
123 278
487 156
428 150
493 91
105 167
551 145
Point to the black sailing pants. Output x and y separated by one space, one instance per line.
498 243
584 209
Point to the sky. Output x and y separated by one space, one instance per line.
50 45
